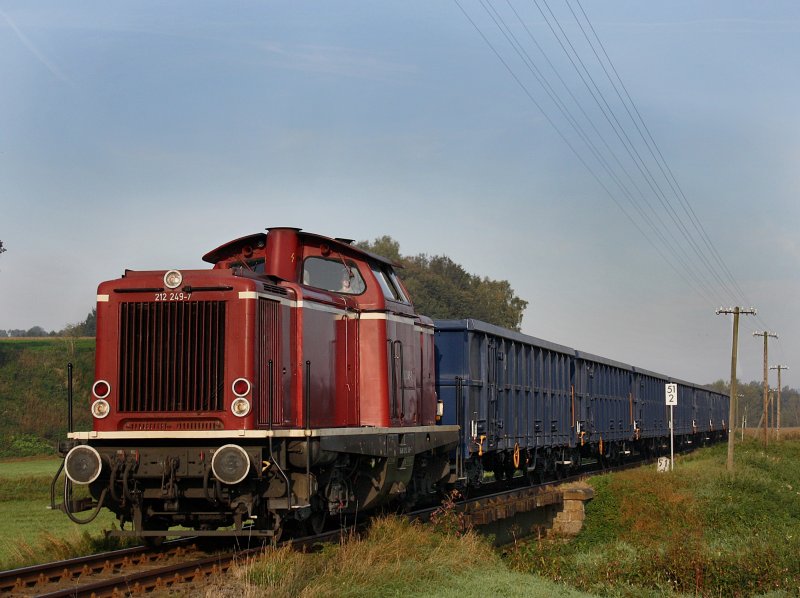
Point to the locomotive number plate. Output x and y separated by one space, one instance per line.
180 296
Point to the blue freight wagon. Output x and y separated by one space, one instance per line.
530 405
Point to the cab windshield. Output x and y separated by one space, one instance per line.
333 275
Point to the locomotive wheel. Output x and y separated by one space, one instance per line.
277 530
316 522
272 521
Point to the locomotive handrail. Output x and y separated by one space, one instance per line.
69 398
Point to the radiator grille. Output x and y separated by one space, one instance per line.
172 356
268 350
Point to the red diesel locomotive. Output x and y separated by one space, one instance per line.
291 381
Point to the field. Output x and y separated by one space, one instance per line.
30 532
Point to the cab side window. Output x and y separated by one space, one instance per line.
389 284
333 275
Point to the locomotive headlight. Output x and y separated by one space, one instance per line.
101 389
173 279
230 464
240 407
83 464
101 408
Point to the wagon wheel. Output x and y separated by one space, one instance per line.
511 464
551 466
474 470
560 470
576 459
533 469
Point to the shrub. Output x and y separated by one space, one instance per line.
24 445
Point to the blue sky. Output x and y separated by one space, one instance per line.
142 134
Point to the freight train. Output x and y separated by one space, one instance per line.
294 381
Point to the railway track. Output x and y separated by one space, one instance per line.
133 571
67 576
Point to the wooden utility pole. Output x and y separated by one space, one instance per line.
778 422
736 311
766 336
770 409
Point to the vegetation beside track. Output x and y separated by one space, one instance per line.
33 392
31 533
698 530
395 558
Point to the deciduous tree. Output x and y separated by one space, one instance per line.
442 289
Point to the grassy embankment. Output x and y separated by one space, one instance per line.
698 530
33 392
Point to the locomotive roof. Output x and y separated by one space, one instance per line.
260 240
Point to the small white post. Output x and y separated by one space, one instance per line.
671 442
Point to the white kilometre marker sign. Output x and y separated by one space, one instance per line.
671 394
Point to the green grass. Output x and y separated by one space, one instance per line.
26 467
396 558
31 533
698 530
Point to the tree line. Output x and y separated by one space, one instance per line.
751 403
87 327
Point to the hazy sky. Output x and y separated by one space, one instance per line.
143 134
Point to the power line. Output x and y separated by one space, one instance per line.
698 285
700 243
661 195
511 38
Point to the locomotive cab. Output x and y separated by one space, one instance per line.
291 381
